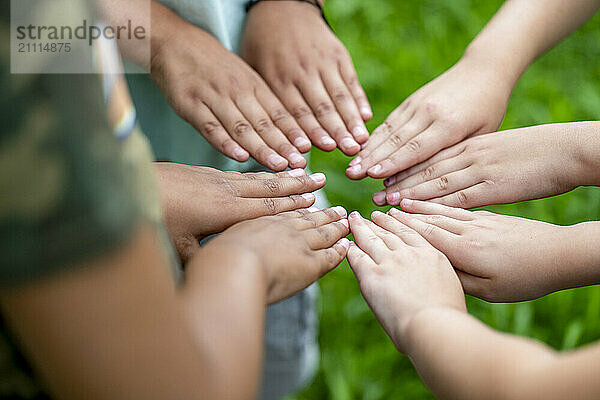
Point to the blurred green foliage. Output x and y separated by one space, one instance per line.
397 47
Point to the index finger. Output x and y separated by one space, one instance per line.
279 186
416 150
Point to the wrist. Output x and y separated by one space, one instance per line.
506 71
408 333
312 6
233 260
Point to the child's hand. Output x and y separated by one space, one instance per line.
469 99
226 100
497 168
295 248
300 58
200 201
498 258
400 274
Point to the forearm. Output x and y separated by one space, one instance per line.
579 263
224 296
584 138
460 358
523 30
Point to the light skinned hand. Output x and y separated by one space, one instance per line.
310 70
226 100
498 258
400 273
496 168
200 201
466 100
296 248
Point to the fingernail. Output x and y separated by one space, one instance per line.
393 198
354 214
327 141
376 214
355 169
394 211
341 211
375 169
296 173
366 111
308 196
360 133
379 198
355 161
296 158
348 144
389 181
301 142
318 178
406 203
276 160
344 222
344 242
313 209
352 243
240 153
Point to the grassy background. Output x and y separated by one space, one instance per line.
398 46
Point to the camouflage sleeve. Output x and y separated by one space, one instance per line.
71 189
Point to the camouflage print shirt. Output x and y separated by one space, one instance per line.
71 189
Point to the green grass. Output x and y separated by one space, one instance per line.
398 46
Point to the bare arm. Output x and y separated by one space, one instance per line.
470 98
523 30
119 329
460 358
415 294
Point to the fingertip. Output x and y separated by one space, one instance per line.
296 173
379 198
377 214
345 243
394 212
296 160
309 197
240 154
319 178
349 146
354 172
374 170
366 112
360 133
276 162
341 211
407 204
354 215
302 144
327 144
393 199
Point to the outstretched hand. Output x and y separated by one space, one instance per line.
310 70
296 248
466 100
226 100
497 257
200 201
400 273
496 168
